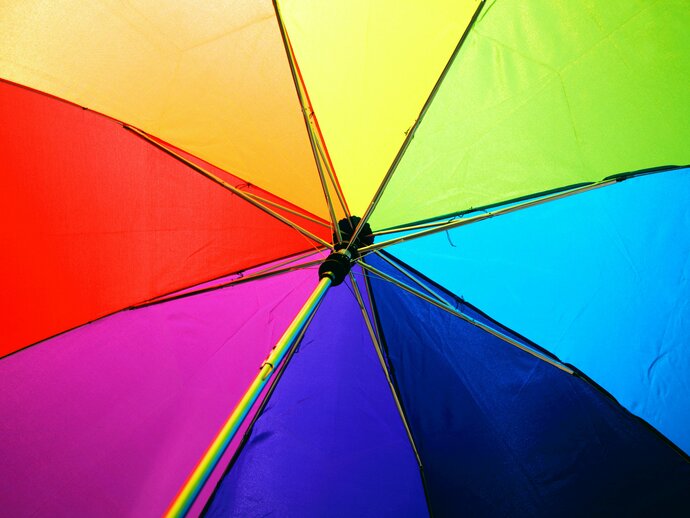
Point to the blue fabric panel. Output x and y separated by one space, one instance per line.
330 441
502 433
601 279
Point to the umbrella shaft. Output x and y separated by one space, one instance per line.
185 498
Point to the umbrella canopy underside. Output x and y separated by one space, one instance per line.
173 176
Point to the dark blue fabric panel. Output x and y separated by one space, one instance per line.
330 441
502 433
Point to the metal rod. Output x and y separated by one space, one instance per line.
379 335
436 222
331 174
316 137
413 129
321 141
190 490
413 279
481 217
238 274
448 308
287 209
408 228
307 113
246 197
382 361
263 274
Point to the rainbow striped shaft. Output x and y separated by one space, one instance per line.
187 495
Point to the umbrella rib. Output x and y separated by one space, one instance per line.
434 228
263 274
266 201
259 268
407 274
292 258
411 132
315 130
449 309
323 153
382 361
313 122
429 228
307 113
379 343
245 196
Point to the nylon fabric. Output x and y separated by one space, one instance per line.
110 419
502 433
330 441
547 94
599 278
369 67
212 78
96 219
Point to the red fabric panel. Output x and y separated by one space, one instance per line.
96 219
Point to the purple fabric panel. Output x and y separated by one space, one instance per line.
109 419
330 441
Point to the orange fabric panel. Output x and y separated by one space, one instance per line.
210 77
96 219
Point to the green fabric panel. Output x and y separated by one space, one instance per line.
545 94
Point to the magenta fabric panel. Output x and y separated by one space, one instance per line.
109 419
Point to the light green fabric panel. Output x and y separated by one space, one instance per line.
545 94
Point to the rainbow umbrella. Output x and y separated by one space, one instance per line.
345 258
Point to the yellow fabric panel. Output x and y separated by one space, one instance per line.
210 77
369 67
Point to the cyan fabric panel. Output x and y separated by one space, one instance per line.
330 441
601 279
502 433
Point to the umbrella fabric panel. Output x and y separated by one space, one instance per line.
97 219
368 68
501 432
330 441
601 279
109 419
210 78
547 94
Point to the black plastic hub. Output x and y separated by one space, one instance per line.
338 264
347 228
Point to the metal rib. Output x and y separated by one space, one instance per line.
407 228
269 272
231 188
413 279
481 217
307 113
449 309
313 127
287 209
331 174
382 361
